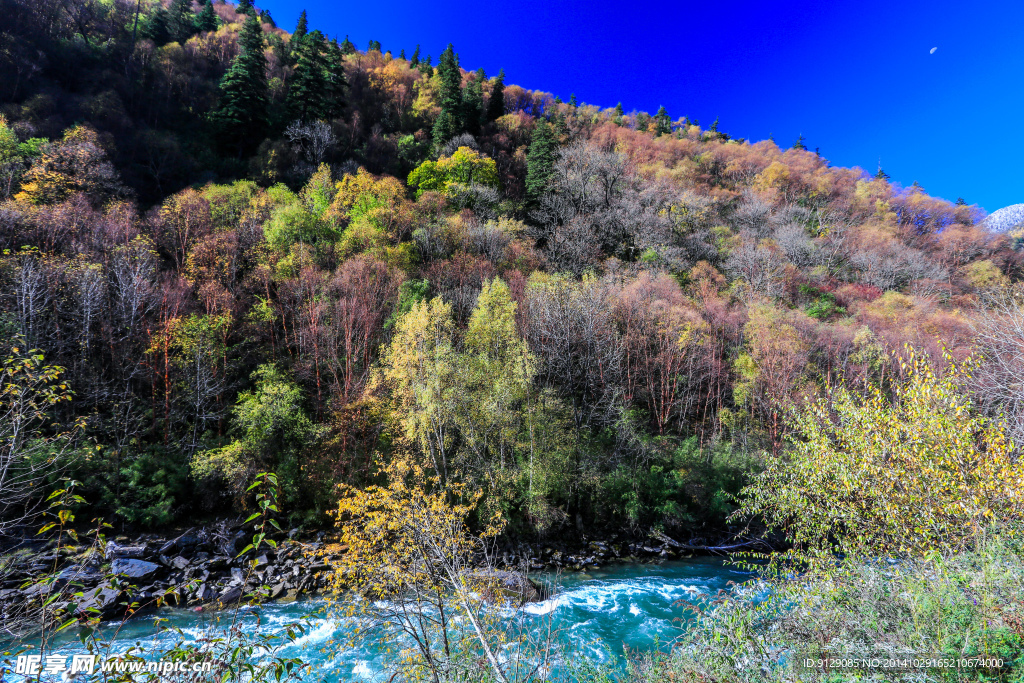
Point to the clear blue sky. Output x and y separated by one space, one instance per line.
855 77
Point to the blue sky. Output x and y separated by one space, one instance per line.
855 78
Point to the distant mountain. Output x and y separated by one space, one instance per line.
1006 218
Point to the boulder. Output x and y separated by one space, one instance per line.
136 570
115 551
101 601
502 586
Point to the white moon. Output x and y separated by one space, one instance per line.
932 51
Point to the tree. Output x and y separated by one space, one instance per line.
181 20
309 88
540 160
572 100
408 545
496 102
207 20
799 144
870 477
28 451
617 114
450 121
157 27
245 7
347 48
301 29
242 111
662 122
473 103
419 370
415 61
465 167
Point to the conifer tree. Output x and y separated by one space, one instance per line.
242 112
540 160
244 7
180 20
799 144
714 126
336 82
347 48
158 29
415 61
618 114
265 17
572 100
301 29
496 104
662 122
206 20
401 53
450 121
308 86
473 103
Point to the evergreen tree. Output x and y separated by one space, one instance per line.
799 144
244 7
308 86
960 201
540 160
207 19
572 100
374 46
401 53
496 104
449 122
301 29
242 112
157 28
336 82
266 18
415 61
180 20
617 114
662 122
473 103
347 48
714 126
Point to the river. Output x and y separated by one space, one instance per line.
598 614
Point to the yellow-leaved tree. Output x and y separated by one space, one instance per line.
424 597
901 476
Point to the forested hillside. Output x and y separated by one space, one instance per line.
238 249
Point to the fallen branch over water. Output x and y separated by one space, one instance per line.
755 543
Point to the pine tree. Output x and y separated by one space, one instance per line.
473 103
158 29
374 46
572 100
401 53
415 61
347 48
799 144
540 160
244 7
336 82
662 122
960 201
308 86
301 29
714 126
449 122
180 20
242 113
266 18
206 20
496 104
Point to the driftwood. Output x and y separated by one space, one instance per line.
754 543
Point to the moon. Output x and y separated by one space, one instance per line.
932 51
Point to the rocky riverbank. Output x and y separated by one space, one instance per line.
200 569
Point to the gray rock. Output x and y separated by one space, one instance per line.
115 551
229 597
179 562
101 601
500 586
134 569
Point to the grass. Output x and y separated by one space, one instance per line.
964 606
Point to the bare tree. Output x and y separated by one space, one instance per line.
999 382
313 140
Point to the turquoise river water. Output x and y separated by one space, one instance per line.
634 606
